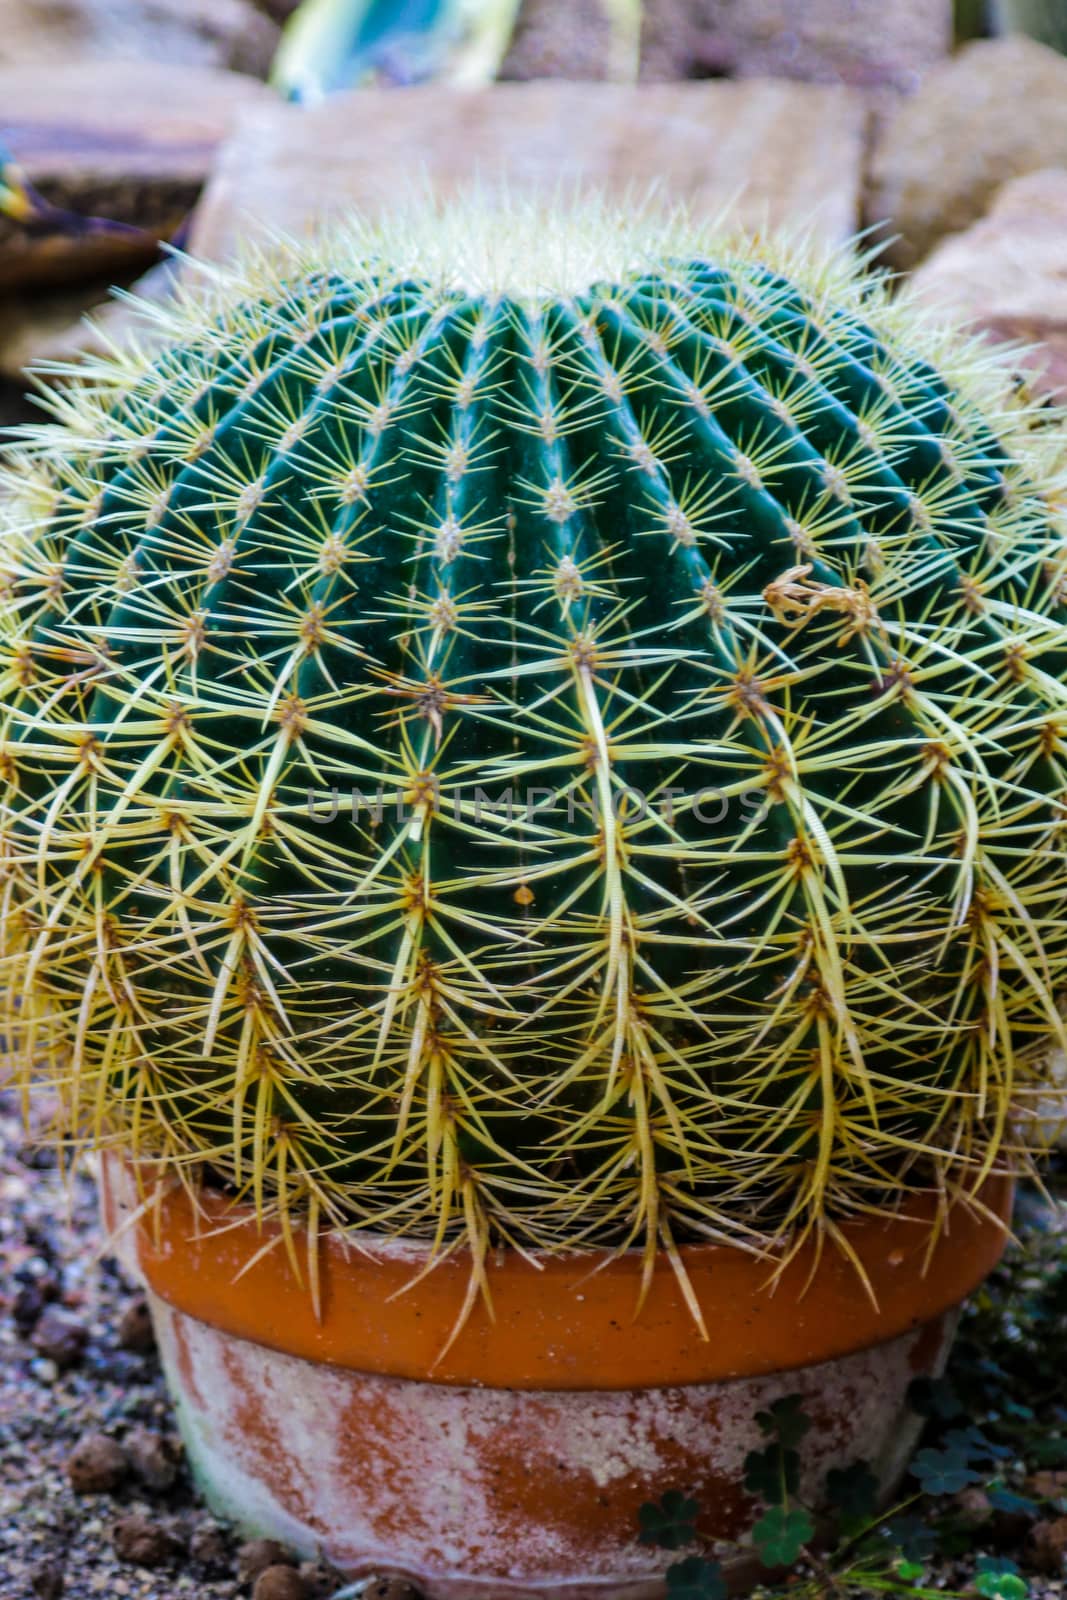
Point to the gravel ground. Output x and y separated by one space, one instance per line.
53 1394
82 1397
81 1393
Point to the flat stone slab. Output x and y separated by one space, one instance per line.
782 154
203 33
107 138
996 111
1008 275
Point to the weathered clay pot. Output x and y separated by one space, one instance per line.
513 1466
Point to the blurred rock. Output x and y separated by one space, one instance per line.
785 153
201 33
1008 275
280 1583
996 111
560 39
209 1549
48 1580
279 10
44 327
321 1580
257 1555
129 142
1048 1484
60 1336
29 1302
64 325
97 1464
865 43
973 1507
135 1326
1046 1548
154 1459
145 1543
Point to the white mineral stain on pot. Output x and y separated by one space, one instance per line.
391 1475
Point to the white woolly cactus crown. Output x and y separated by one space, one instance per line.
689 624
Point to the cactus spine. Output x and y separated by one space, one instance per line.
534 570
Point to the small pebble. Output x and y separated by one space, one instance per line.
96 1465
60 1336
48 1580
44 1371
1048 1484
209 1549
27 1306
320 1579
257 1555
153 1459
135 1328
280 1583
974 1507
144 1543
1046 1548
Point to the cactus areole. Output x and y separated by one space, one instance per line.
539 730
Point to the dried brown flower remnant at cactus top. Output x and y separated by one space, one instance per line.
746 556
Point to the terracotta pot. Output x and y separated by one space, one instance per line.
513 1466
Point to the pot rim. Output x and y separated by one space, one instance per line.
558 1322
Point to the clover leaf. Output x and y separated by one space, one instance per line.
772 1473
999 1579
695 1579
785 1421
944 1471
780 1535
670 1523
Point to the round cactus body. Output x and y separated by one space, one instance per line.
563 764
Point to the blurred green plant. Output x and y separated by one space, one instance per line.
972 19
329 45
1043 20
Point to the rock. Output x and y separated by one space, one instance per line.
1046 1548
1049 1484
65 325
199 33
210 1550
135 1328
60 1336
996 111
973 1508
784 152
27 1306
280 1583
257 1555
1008 275
97 1464
560 39
153 1459
321 1580
390 1589
861 42
48 1580
131 143
145 1543
278 10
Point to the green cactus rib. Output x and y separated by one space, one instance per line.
534 575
